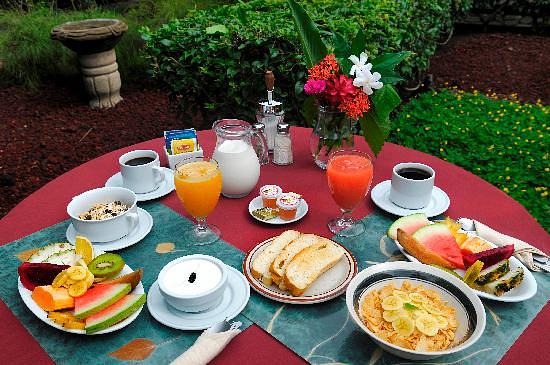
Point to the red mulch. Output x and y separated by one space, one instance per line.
46 134
503 63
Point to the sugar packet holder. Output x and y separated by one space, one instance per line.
173 160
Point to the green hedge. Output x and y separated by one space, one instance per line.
503 141
215 59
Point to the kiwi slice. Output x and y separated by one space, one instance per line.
106 265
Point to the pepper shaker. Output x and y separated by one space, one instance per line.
260 147
282 152
270 112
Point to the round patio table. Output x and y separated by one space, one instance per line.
470 197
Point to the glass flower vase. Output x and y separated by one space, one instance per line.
333 131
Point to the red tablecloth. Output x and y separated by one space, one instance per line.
470 197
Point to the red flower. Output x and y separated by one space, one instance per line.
325 69
355 106
339 90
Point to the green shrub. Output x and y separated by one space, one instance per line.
502 141
215 58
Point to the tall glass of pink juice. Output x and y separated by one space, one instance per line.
349 175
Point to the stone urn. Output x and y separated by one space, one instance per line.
94 40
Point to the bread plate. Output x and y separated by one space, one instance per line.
43 315
526 290
327 286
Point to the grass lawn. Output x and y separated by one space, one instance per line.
503 141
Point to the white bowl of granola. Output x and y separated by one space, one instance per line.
104 214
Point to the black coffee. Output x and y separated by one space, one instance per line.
139 161
414 173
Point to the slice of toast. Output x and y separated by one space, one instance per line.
279 265
261 264
309 264
421 252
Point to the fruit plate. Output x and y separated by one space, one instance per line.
43 315
327 286
526 290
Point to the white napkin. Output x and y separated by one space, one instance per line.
523 251
209 344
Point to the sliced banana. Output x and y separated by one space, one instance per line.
427 324
60 279
89 279
418 312
77 289
77 273
442 321
392 303
401 295
418 298
430 308
404 326
392 315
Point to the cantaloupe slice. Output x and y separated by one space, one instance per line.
52 299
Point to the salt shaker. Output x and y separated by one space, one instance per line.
282 152
260 147
270 112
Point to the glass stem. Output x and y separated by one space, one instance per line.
201 225
346 215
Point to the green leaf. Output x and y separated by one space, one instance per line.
359 43
241 15
166 42
388 61
308 33
385 101
374 134
341 47
391 77
308 110
218 28
410 306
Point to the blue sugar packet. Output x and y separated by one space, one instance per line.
179 134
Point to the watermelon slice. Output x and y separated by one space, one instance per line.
409 224
98 298
114 313
439 238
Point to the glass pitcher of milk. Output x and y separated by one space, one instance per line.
236 156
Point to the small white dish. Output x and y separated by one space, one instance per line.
165 187
235 298
470 313
438 204
329 285
145 223
526 290
257 203
43 315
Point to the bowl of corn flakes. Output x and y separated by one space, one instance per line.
415 311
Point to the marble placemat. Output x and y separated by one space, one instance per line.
325 333
145 338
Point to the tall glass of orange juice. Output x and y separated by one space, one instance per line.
198 183
349 175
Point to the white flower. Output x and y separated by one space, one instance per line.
367 80
359 64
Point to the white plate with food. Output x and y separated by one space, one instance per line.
125 297
500 277
299 268
415 311
256 205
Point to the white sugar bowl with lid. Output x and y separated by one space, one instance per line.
193 283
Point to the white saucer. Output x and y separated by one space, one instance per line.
145 223
235 298
165 187
381 197
257 203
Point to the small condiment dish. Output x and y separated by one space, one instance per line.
108 229
193 283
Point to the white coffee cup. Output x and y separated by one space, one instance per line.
141 171
412 184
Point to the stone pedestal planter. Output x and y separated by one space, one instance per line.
94 41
